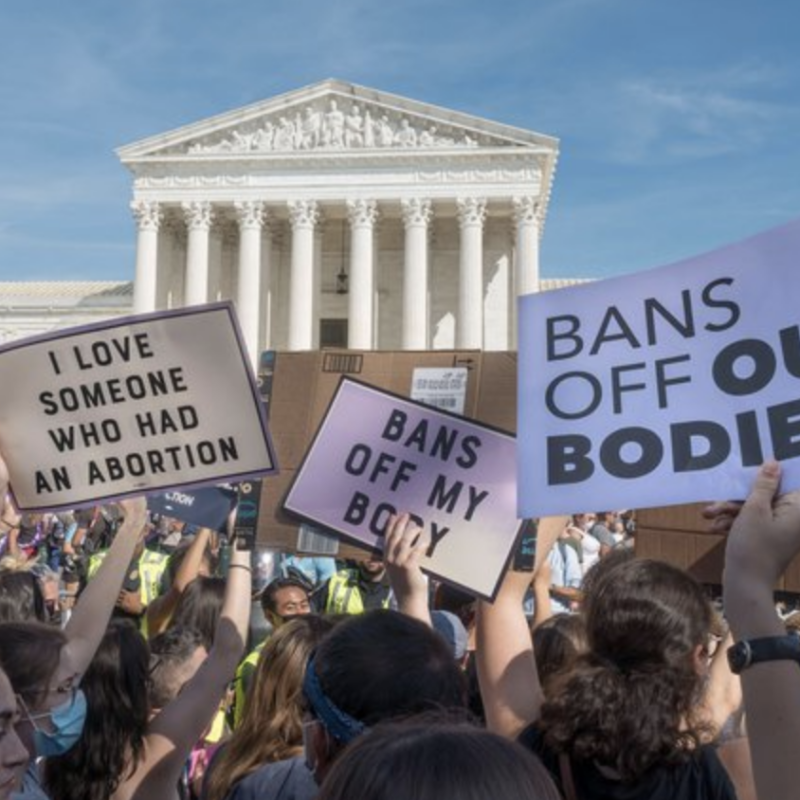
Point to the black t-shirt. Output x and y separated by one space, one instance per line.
701 777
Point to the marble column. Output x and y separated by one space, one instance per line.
362 215
199 216
316 287
250 216
271 243
469 323
303 215
526 267
417 214
148 216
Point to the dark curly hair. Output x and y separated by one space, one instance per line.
112 741
629 703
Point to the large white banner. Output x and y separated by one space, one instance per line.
130 406
662 387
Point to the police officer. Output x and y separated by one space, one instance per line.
364 586
142 581
282 600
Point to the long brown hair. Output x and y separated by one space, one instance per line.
30 654
630 703
271 728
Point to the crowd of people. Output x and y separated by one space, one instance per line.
139 658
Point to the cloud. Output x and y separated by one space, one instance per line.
696 116
660 117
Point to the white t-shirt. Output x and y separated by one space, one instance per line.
591 551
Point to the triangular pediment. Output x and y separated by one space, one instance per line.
334 117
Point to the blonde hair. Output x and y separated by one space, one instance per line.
271 728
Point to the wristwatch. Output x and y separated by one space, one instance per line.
747 652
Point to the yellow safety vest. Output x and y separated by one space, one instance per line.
242 681
151 568
344 594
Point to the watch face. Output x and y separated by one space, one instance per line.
738 657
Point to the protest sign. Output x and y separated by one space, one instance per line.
662 387
206 508
376 454
130 406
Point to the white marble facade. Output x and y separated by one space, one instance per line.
29 308
434 217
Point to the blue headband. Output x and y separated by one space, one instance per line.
338 723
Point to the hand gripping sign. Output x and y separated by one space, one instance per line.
130 406
662 387
376 454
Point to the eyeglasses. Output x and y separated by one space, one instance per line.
68 687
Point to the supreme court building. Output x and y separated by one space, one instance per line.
340 215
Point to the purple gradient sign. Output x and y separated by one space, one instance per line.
667 386
376 454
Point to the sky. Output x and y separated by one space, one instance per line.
679 122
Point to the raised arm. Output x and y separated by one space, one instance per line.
512 694
162 608
542 607
173 733
762 541
404 548
91 614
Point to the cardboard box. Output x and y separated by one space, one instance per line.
298 387
680 536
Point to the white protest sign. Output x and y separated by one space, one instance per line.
129 406
662 387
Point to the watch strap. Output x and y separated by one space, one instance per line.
747 652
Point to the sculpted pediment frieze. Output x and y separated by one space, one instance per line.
333 124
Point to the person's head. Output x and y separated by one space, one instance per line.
452 630
199 607
607 519
372 568
175 656
284 599
631 701
597 572
30 655
374 667
271 728
557 643
112 740
427 760
584 521
50 584
21 597
647 611
208 562
13 754
456 601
